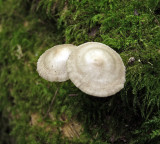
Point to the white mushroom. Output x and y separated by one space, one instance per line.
96 69
52 63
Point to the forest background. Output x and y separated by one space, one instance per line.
34 111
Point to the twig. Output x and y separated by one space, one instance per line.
49 109
156 20
150 63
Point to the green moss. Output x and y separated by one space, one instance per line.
28 28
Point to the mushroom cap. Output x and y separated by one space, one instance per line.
52 63
96 69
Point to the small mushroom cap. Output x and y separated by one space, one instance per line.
52 63
96 69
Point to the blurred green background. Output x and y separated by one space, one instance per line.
34 111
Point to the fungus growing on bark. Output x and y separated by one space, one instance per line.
96 69
52 63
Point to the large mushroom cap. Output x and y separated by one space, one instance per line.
52 63
96 69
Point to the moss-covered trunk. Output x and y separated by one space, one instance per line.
34 111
